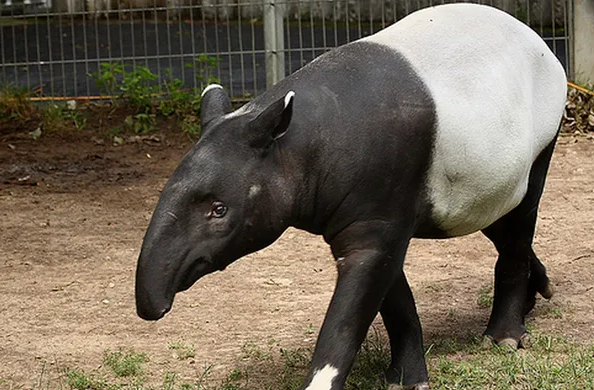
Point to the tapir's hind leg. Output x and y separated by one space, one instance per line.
406 339
519 274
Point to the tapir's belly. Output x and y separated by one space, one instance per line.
472 186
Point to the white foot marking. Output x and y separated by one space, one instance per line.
211 86
323 378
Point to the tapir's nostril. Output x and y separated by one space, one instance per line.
161 313
164 311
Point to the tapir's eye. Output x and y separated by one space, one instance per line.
218 210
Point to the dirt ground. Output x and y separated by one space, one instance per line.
73 211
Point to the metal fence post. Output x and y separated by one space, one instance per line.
583 42
274 41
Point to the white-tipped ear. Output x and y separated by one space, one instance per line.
214 103
288 97
272 123
211 86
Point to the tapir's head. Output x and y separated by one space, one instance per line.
223 201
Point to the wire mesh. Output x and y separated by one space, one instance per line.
52 47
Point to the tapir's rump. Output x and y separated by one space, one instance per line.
440 125
498 91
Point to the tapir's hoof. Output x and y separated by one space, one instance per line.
548 291
525 341
509 342
418 386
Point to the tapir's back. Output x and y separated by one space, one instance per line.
499 93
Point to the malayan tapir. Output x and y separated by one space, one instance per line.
438 126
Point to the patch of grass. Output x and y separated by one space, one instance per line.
183 351
251 352
171 382
142 89
15 104
554 312
204 67
191 125
149 96
125 363
485 298
551 363
140 123
237 379
449 346
107 79
78 379
373 359
139 88
57 117
176 100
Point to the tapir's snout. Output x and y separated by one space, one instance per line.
150 307
166 267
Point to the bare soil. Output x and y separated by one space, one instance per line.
73 211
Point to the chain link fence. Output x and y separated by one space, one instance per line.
51 47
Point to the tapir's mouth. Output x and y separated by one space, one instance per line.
193 272
156 316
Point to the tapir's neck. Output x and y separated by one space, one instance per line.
297 177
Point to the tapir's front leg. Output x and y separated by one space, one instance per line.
364 277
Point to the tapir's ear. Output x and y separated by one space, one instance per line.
272 123
215 103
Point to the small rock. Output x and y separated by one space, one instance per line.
105 301
98 141
35 134
111 285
